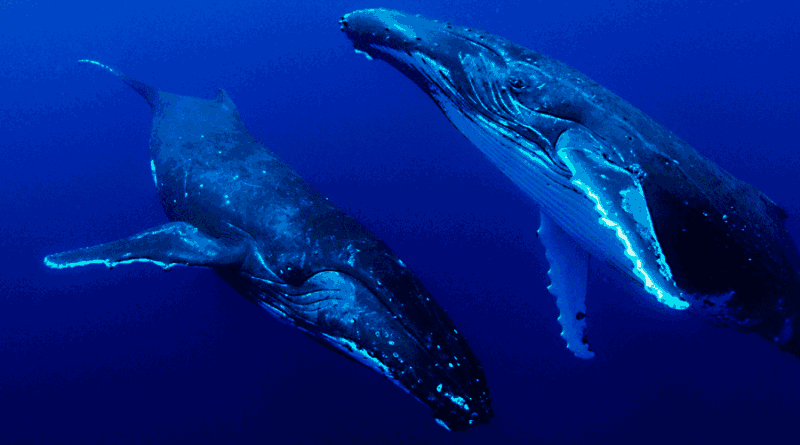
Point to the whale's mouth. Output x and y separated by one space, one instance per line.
408 41
373 28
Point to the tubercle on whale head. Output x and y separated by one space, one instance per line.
401 31
384 33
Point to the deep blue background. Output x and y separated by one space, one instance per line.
136 355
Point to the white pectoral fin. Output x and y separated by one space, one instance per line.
622 212
569 270
166 246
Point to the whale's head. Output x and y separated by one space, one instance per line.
485 84
364 302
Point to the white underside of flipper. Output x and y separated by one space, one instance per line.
569 271
621 209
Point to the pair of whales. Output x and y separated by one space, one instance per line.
609 181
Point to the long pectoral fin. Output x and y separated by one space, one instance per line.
166 246
621 209
569 270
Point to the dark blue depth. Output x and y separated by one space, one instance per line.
137 355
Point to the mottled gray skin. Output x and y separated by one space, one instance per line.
720 236
237 208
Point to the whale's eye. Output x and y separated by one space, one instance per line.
517 84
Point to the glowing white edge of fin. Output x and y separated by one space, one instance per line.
110 264
94 62
153 171
366 54
641 213
638 269
442 424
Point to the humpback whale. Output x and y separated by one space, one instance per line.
610 182
236 208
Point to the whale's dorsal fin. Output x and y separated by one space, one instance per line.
223 98
225 102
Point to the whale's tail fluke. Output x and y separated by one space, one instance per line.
149 93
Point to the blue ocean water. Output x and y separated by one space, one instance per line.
137 355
